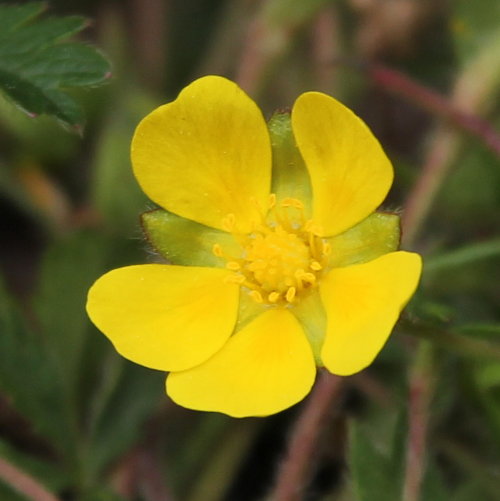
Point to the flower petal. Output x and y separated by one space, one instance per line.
350 173
264 368
206 155
164 317
362 304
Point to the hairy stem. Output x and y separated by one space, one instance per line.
294 472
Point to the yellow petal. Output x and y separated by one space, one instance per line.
164 317
265 368
362 304
350 173
206 155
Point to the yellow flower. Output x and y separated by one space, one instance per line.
286 272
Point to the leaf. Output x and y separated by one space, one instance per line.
133 394
48 474
37 65
29 377
472 23
67 271
370 469
115 191
13 17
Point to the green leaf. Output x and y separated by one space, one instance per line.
370 469
37 65
48 474
463 256
115 190
68 269
14 16
131 397
472 23
29 377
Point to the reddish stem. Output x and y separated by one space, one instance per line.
433 102
294 471
24 483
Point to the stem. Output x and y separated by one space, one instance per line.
294 471
420 394
470 95
24 483
433 102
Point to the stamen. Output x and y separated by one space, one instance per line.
308 277
228 222
235 279
272 200
281 258
256 296
217 250
290 294
292 202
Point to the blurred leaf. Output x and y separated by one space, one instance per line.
36 67
115 191
463 256
292 12
35 138
49 474
68 269
472 23
132 395
433 486
370 469
29 377
7 494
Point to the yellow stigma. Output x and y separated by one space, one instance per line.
281 259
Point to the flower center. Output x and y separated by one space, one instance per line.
281 259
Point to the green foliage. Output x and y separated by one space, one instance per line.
376 475
473 24
36 390
87 424
38 65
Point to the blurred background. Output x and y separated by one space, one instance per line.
77 422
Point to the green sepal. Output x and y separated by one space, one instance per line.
290 177
184 242
310 312
376 235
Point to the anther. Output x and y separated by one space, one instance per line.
228 222
233 265
272 200
315 266
308 277
290 294
327 248
217 250
273 297
292 202
234 279
256 296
